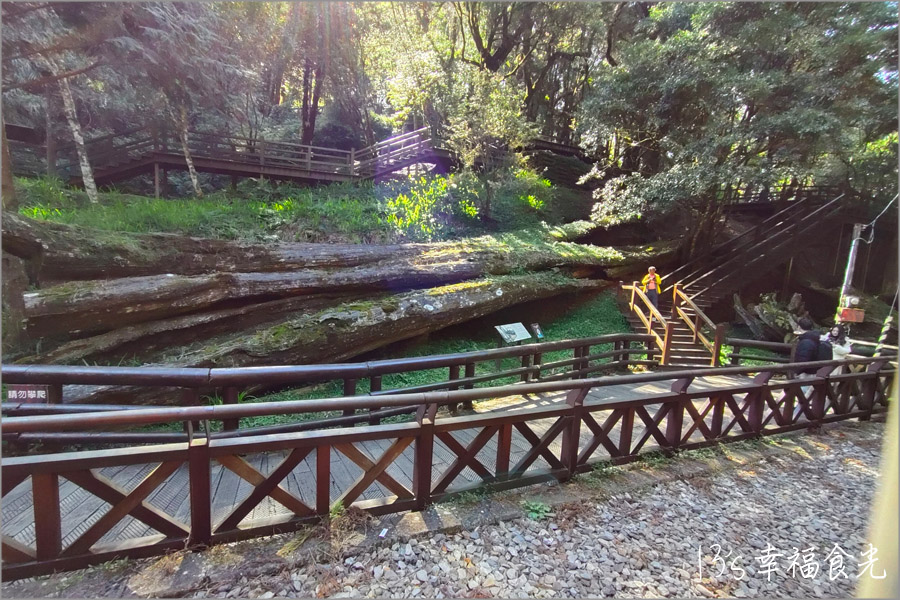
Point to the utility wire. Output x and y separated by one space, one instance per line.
888 205
872 223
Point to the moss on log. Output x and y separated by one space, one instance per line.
347 330
69 253
83 308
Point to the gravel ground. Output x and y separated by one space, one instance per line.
641 545
610 535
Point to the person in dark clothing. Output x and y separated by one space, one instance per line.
807 351
808 344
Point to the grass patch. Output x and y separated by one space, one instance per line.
764 357
426 208
655 459
699 454
468 497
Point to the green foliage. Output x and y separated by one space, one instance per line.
470 497
536 511
422 209
337 510
655 459
416 213
598 475
763 356
707 96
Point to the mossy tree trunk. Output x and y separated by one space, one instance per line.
10 202
347 330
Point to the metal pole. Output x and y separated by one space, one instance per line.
886 328
851 261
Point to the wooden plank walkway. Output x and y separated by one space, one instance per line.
80 509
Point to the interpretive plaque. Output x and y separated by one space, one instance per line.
513 332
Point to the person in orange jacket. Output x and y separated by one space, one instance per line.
651 285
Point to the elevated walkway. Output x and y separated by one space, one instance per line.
69 509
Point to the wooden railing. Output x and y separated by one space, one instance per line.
758 250
505 449
714 337
732 246
465 370
782 352
113 150
662 335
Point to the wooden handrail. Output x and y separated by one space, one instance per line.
755 230
770 245
145 416
635 287
678 293
276 375
664 342
727 245
185 465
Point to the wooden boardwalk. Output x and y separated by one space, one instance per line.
81 509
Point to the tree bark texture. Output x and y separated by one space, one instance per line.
347 330
168 299
82 308
87 173
10 202
183 134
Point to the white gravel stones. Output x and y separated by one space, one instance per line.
645 544
639 544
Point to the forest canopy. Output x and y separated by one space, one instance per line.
678 105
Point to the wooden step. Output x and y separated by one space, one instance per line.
690 354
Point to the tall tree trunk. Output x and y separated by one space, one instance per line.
87 173
182 124
50 136
312 91
10 202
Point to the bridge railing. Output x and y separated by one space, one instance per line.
694 267
206 491
381 156
108 150
704 330
657 325
544 361
765 250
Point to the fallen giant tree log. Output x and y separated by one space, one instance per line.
347 330
81 308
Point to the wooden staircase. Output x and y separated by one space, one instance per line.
685 336
746 258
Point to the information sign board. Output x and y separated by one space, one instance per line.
513 332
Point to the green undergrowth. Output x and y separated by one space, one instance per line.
427 208
764 357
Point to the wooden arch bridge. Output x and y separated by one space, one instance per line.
155 151
149 151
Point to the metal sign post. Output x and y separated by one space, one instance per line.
848 273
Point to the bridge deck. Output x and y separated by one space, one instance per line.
80 509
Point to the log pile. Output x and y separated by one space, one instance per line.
95 296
